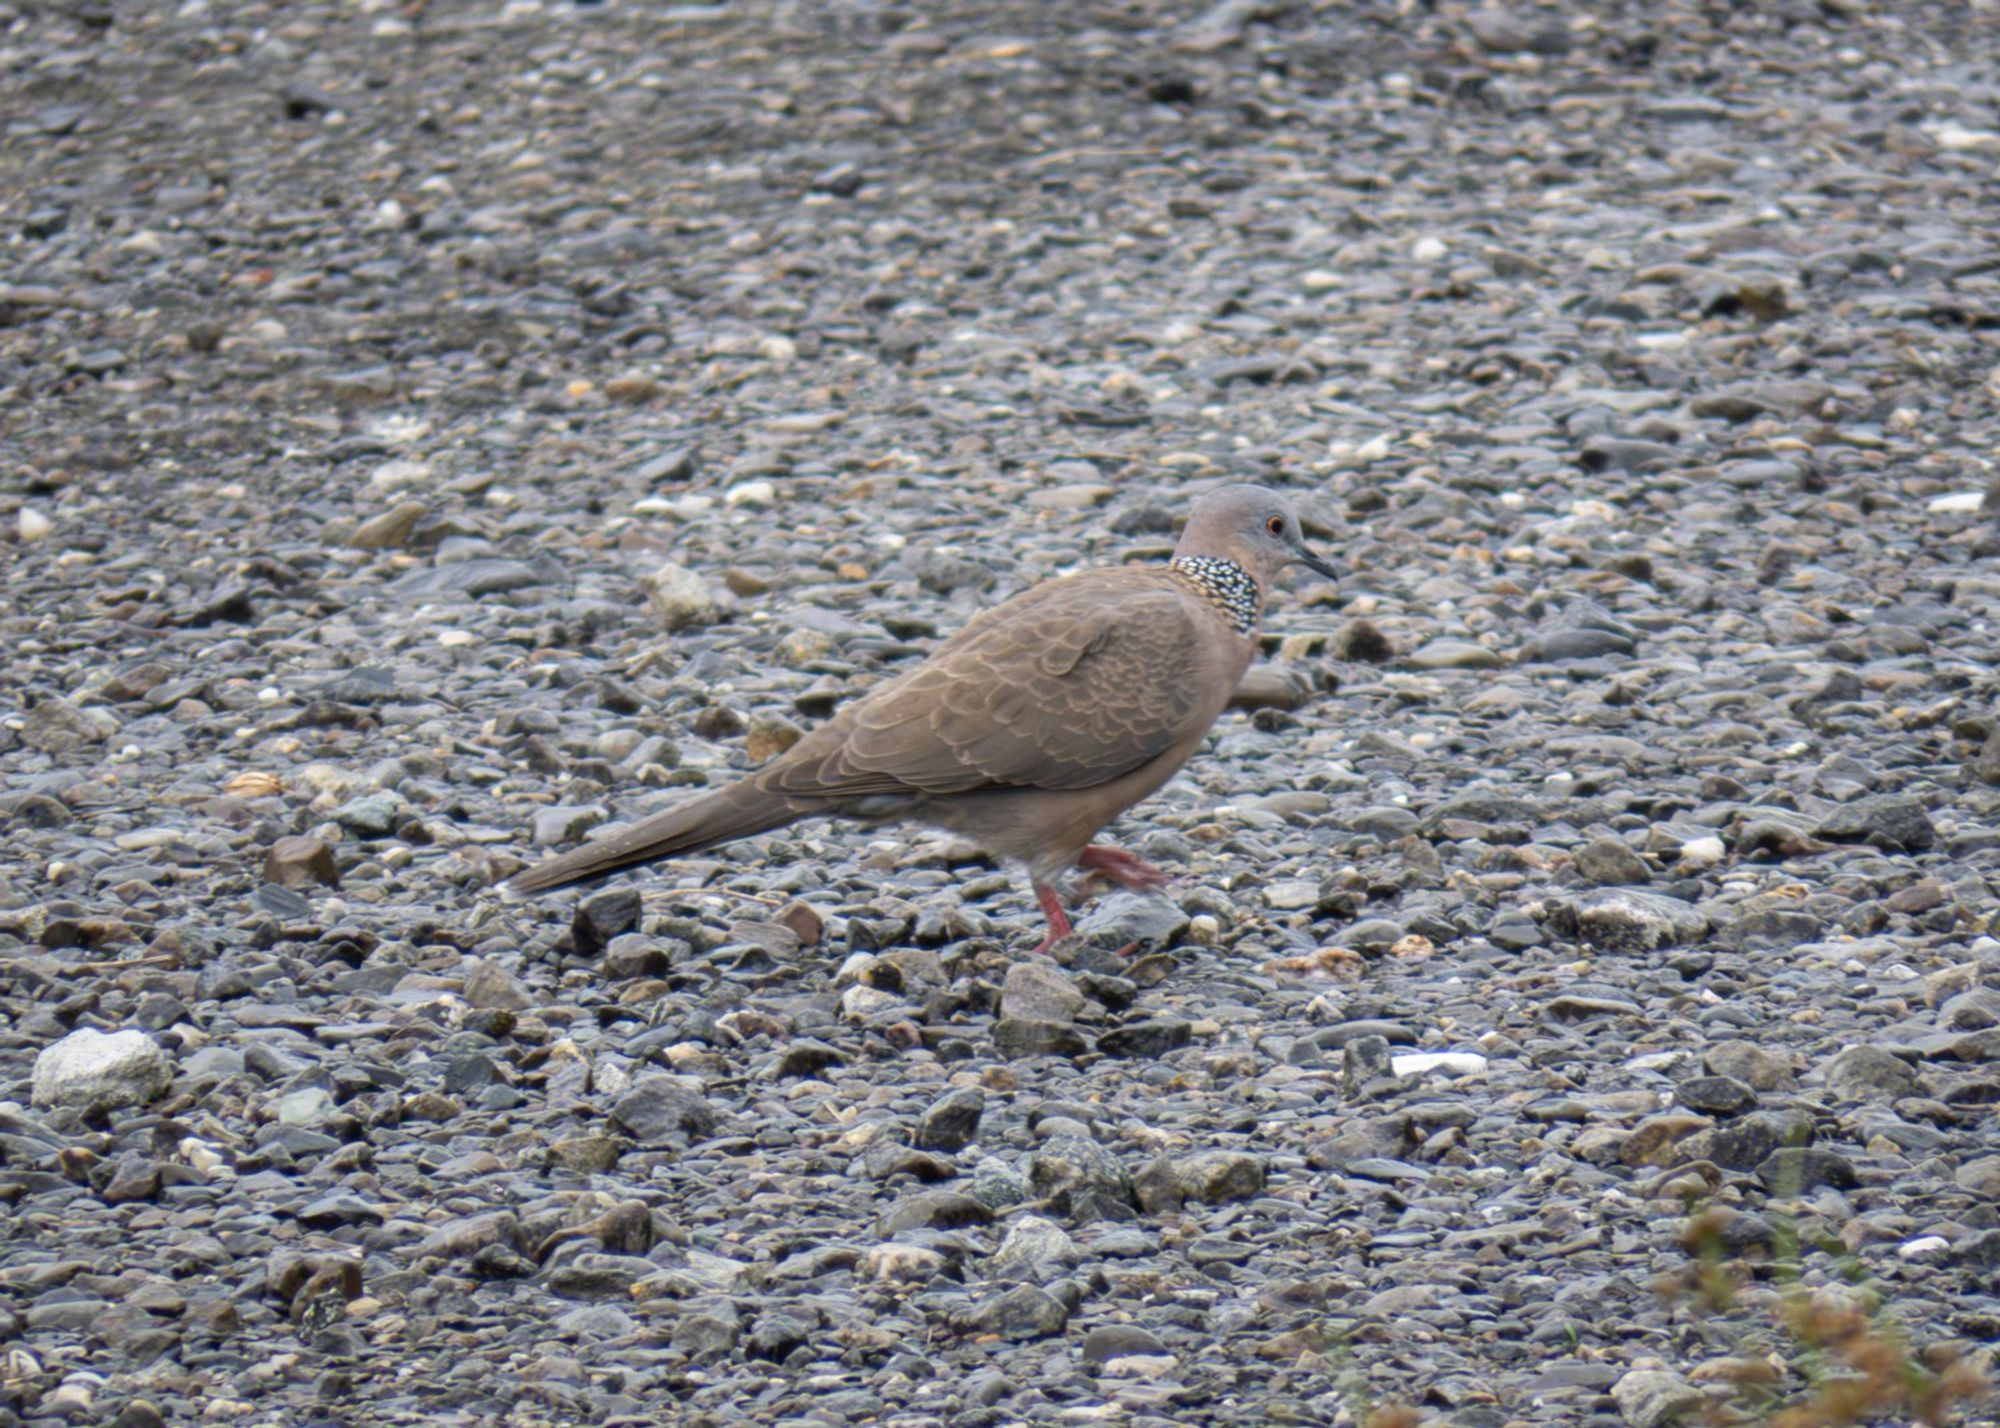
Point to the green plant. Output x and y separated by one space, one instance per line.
1827 1357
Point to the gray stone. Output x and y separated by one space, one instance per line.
566 823
92 1068
1035 991
370 816
1981 1176
1868 1073
1120 1341
1756 1066
1610 862
680 599
658 1110
301 862
1017 1038
602 916
1653 1399
1894 822
1125 918
1079 1178
1035 1248
62 728
1628 921
952 1120
1020 1314
491 987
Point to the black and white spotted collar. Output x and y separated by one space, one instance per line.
1228 585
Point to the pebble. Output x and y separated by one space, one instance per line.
93 1068
389 530
680 598
1651 1398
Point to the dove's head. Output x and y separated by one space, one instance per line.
1252 526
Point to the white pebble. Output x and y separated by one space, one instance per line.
1319 280
1452 1063
32 525
456 639
393 474
1428 249
1957 137
1923 1247
1699 853
751 493
1958 503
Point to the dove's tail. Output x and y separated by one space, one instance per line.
719 817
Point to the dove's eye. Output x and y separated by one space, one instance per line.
1276 525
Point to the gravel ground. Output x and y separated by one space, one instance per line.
428 431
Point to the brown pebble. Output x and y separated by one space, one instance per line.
299 861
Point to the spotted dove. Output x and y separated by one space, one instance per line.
1031 728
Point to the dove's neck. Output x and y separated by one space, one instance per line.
1226 585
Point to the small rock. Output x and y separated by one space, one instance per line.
1215 1177
389 530
565 823
370 816
1717 1095
1893 822
56 726
1148 1039
1023 1313
491 987
704 1336
1626 921
1018 1038
1652 1399
1757 1067
633 388
1125 918
1802 1169
952 1121
1035 1248
91 1068
1035 991
298 862
1079 1178
305 1108
1118 1341
603 916
1610 862
1450 1063
679 598
1868 1073
659 1110
932 1210
1455 654
769 736
1981 1176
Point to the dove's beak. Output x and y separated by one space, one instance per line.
1304 556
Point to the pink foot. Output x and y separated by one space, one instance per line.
1052 909
1134 874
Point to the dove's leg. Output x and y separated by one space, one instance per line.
1132 873
1052 909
